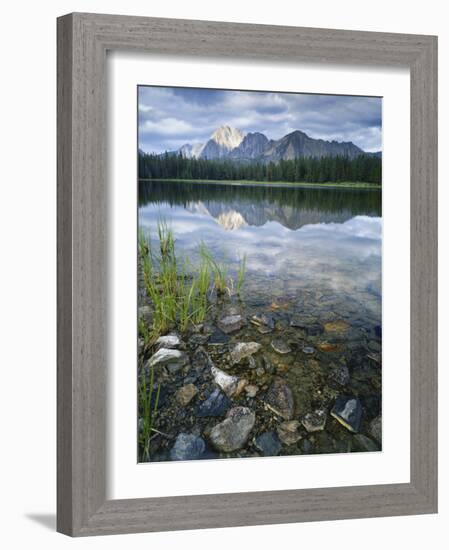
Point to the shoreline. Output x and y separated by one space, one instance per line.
282 184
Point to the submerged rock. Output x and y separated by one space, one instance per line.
187 447
215 405
340 375
329 347
217 338
280 399
230 323
185 394
280 346
169 341
173 359
302 321
226 382
268 443
288 432
243 350
348 411
264 322
232 434
336 326
315 421
314 330
375 428
308 350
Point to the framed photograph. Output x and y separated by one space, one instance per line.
247 248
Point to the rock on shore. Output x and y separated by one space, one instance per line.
187 447
232 434
173 359
280 399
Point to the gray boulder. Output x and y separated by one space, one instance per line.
187 447
232 434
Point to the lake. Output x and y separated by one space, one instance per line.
314 265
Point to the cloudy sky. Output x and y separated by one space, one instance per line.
171 117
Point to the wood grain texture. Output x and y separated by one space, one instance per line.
83 40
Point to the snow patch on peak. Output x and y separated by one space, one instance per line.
228 137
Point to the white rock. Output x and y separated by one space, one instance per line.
170 341
226 382
172 358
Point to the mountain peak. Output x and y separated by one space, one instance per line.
296 133
228 137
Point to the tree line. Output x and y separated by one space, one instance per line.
364 168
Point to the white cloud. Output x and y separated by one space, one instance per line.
166 126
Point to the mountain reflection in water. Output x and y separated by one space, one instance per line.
294 238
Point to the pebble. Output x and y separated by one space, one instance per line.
185 394
280 346
308 350
242 350
264 322
288 432
251 390
314 421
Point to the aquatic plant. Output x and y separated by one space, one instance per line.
147 411
241 273
219 270
179 294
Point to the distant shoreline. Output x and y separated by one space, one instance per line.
299 185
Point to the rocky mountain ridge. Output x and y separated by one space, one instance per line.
230 143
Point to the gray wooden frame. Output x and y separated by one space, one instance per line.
83 40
